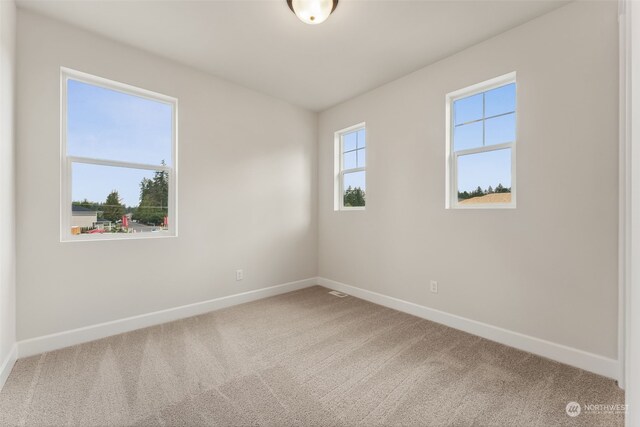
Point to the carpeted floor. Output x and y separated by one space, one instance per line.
302 358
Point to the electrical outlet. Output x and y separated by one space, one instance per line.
239 275
434 286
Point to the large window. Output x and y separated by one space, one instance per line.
481 145
118 160
351 150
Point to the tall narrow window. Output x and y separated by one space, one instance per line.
118 160
351 150
481 145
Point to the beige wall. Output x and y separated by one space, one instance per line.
7 180
546 269
247 198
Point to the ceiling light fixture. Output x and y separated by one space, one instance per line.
312 11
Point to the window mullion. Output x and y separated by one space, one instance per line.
484 115
351 151
470 122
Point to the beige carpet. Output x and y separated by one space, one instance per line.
303 358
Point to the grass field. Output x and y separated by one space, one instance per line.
489 198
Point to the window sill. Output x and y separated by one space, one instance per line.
116 236
479 206
343 209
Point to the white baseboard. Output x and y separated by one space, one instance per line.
59 340
7 365
570 356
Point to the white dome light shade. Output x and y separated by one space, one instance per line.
312 11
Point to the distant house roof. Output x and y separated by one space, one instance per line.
82 211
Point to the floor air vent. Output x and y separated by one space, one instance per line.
338 294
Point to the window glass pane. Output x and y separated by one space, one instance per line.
467 109
485 177
361 139
500 100
354 189
467 136
500 129
349 141
111 125
350 160
103 195
361 157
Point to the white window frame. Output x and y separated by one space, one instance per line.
66 161
340 172
451 190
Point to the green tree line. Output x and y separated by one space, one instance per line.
154 199
354 197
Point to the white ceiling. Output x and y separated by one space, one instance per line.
263 46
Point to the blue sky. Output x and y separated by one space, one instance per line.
111 125
491 168
99 181
484 170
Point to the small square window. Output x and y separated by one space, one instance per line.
481 145
350 149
